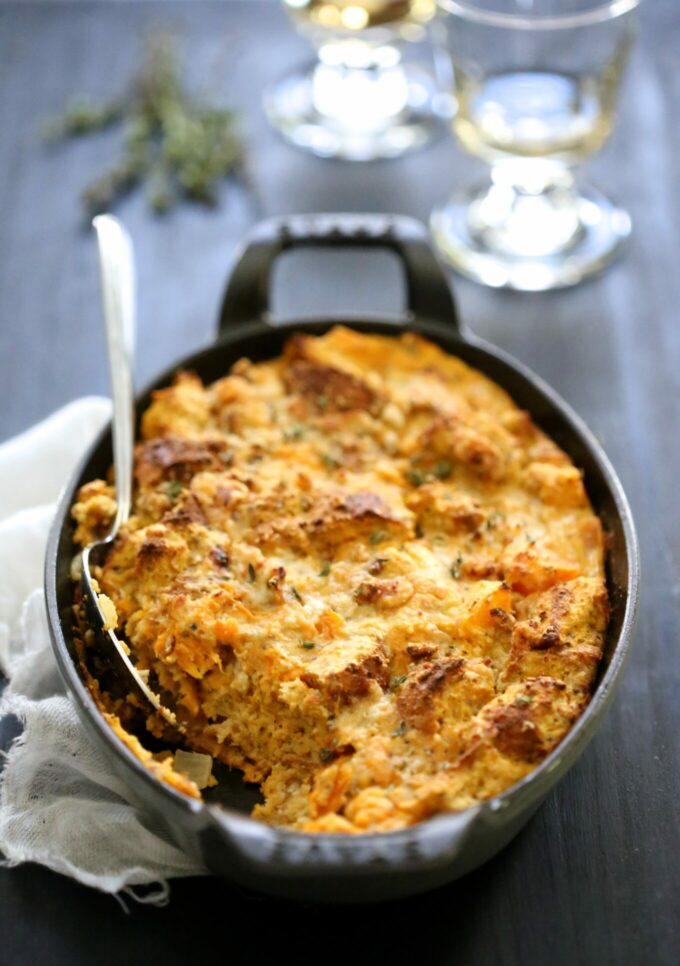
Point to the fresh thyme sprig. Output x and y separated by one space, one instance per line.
180 146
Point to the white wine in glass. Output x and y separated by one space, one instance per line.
536 85
536 113
344 17
360 100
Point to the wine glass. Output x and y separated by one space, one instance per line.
359 101
536 84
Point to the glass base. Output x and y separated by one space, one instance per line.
358 114
528 247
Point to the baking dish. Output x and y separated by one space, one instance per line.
373 866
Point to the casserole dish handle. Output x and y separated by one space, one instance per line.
430 845
247 297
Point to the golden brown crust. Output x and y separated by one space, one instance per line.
361 575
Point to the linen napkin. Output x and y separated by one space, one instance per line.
60 804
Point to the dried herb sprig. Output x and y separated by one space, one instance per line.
82 117
181 146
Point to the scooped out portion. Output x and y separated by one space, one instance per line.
361 575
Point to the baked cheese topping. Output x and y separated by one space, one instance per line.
361 575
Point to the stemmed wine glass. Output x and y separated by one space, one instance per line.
536 84
360 100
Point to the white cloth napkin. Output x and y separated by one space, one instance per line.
60 804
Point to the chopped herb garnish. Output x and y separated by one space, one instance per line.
322 401
193 627
494 519
329 461
397 682
174 488
251 573
308 645
415 477
398 732
523 699
296 594
295 432
325 754
454 569
377 537
443 469
325 570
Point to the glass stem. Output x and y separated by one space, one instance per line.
360 86
531 209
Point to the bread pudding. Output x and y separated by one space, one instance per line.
359 574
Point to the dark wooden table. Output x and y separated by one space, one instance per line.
595 877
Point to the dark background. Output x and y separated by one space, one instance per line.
595 877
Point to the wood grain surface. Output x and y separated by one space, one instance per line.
595 877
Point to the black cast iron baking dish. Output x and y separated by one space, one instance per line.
393 864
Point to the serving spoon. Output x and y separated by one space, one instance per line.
116 262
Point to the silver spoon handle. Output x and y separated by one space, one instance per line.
118 288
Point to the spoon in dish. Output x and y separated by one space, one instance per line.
118 289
